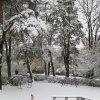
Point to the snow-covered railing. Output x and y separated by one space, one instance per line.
70 98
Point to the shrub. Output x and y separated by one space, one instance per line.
37 66
13 81
60 73
39 78
4 78
16 80
94 83
38 69
61 80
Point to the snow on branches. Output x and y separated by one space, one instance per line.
27 23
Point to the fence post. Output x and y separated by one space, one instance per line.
54 98
32 97
66 98
83 98
79 98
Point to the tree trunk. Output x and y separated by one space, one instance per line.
90 34
91 30
51 63
46 17
0 74
1 50
28 67
66 48
8 56
1 53
96 31
1 12
45 67
64 54
92 37
67 56
49 68
1 40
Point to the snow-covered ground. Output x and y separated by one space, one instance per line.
45 91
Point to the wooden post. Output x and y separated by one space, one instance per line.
66 98
32 97
54 98
79 98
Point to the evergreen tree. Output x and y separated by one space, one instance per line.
68 28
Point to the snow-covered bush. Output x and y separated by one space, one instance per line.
89 82
88 60
39 78
16 80
60 71
4 78
71 80
54 79
5 81
38 70
37 66
94 82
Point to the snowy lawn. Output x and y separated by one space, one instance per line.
45 91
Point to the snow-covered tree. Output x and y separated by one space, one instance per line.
45 9
89 60
90 14
27 29
3 32
67 28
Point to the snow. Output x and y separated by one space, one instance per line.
80 46
45 91
27 20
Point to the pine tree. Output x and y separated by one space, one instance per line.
68 27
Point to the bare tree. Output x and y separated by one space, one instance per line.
90 10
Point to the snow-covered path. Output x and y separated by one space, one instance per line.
45 91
